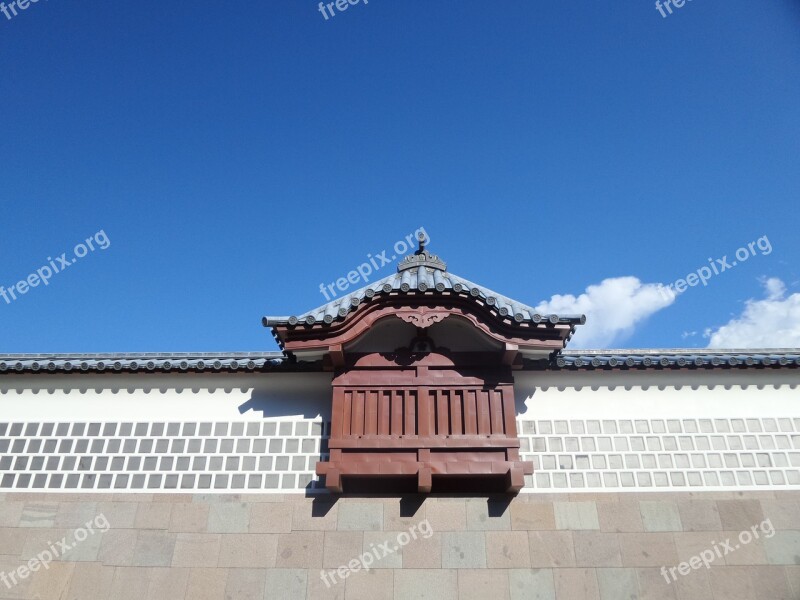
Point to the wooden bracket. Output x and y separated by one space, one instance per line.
510 353
337 356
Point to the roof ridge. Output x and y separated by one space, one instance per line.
420 279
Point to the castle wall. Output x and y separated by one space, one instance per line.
584 431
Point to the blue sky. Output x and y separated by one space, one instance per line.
236 155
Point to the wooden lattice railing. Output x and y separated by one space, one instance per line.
425 431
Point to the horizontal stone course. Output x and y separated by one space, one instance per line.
555 547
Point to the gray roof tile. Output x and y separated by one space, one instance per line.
674 359
243 362
141 362
432 279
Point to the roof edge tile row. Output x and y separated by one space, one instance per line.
208 362
146 362
673 359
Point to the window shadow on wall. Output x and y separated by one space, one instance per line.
291 395
410 504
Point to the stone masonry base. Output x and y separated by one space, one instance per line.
535 546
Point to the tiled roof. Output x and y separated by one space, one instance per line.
674 359
424 274
214 362
419 273
142 362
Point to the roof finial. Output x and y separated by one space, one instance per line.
422 258
421 238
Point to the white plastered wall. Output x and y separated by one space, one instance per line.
164 397
660 430
584 430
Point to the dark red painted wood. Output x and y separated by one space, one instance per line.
484 420
470 412
425 414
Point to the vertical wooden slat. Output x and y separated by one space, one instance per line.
496 404
347 413
434 407
456 397
434 415
470 413
384 411
509 411
424 412
443 413
484 418
398 398
337 413
371 409
357 428
433 395
411 427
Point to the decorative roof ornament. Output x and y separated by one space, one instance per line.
421 258
426 273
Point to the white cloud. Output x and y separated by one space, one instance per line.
770 323
612 308
775 288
